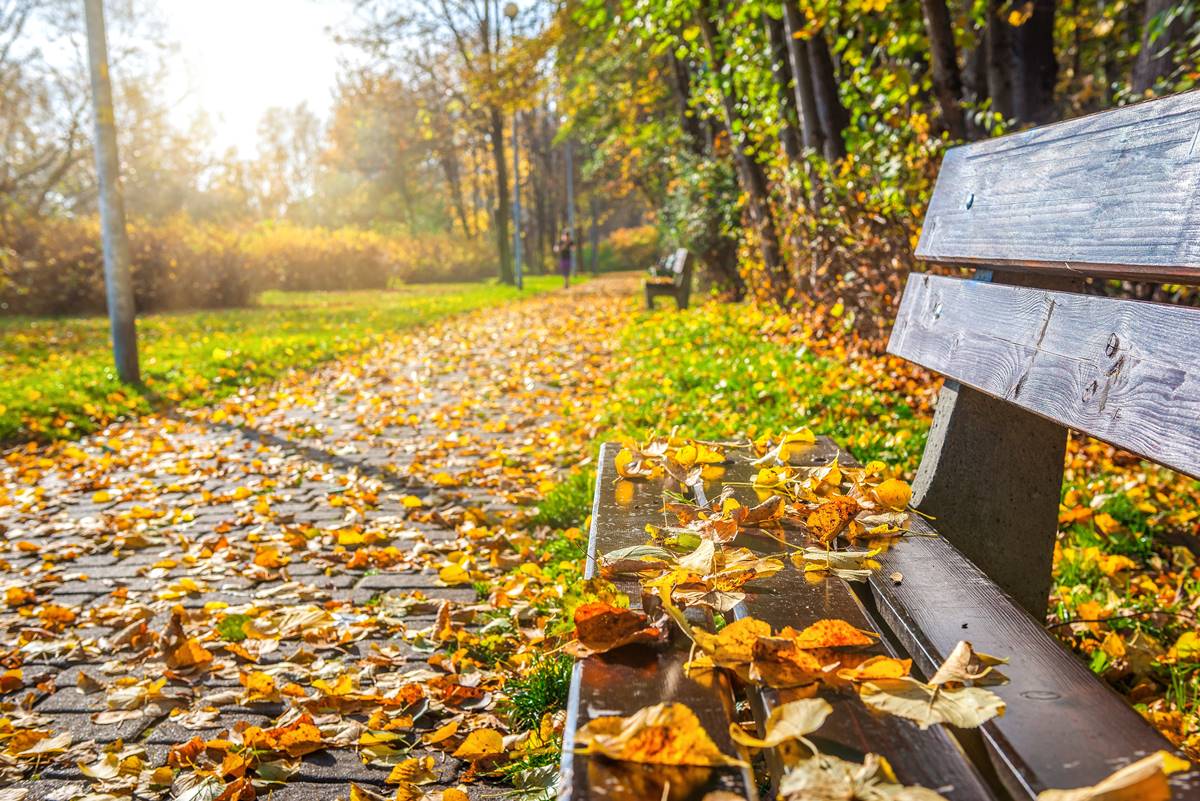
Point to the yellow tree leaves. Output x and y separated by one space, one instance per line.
663 734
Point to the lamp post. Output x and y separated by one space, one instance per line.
510 11
571 207
117 281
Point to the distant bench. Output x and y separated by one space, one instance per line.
1027 357
673 279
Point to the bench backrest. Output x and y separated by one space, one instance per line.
1027 354
679 264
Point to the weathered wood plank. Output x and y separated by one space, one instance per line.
628 679
1063 727
1123 371
931 758
1115 194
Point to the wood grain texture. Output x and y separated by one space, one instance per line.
628 679
1063 727
931 758
1112 194
1123 371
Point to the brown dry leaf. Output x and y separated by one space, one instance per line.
414 771
829 633
791 721
965 707
966 665
877 667
1144 780
827 777
663 734
601 627
778 663
734 644
831 518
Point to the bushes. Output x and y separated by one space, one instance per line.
630 249
54 266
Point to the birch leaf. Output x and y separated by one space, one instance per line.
965 707
1144 780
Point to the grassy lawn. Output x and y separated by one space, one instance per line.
58 375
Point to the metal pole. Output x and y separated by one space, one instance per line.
571 208
117 281
516 205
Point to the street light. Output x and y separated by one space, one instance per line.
510 11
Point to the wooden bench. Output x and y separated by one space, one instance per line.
1027 357
674 280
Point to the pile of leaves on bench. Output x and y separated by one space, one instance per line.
812 512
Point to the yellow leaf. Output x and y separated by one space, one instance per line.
481 744
789 721
1144 780
663 734
453 574
894 494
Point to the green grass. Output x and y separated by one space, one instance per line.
569 503
542 690
59 381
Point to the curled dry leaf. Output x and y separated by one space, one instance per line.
831 518
791 721
601 627
965 707
1144 780
663 734
966 665
826 777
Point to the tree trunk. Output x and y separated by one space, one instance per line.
753 176
830 111
1156 60
503 215
947 80
806 100
1036 65
999 59
789 136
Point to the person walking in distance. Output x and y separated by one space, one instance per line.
563 249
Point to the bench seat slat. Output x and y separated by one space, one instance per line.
930 758
628 679
1115 193
1123 371
1063 727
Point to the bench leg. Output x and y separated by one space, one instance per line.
649 300
991 477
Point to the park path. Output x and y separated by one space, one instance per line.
288 560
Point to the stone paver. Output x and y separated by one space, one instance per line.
176 510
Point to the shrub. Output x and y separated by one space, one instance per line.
630 249
54 265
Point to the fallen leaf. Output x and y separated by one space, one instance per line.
965 707
1144 780
663 734
790 721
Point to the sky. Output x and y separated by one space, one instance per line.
239 58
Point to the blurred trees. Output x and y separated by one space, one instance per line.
808 132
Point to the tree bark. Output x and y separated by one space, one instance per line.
999 59
947 79
830 111
753 176
789 135
503 214
1156 60
1036 65
806 100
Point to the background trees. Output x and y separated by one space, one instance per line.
832 116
